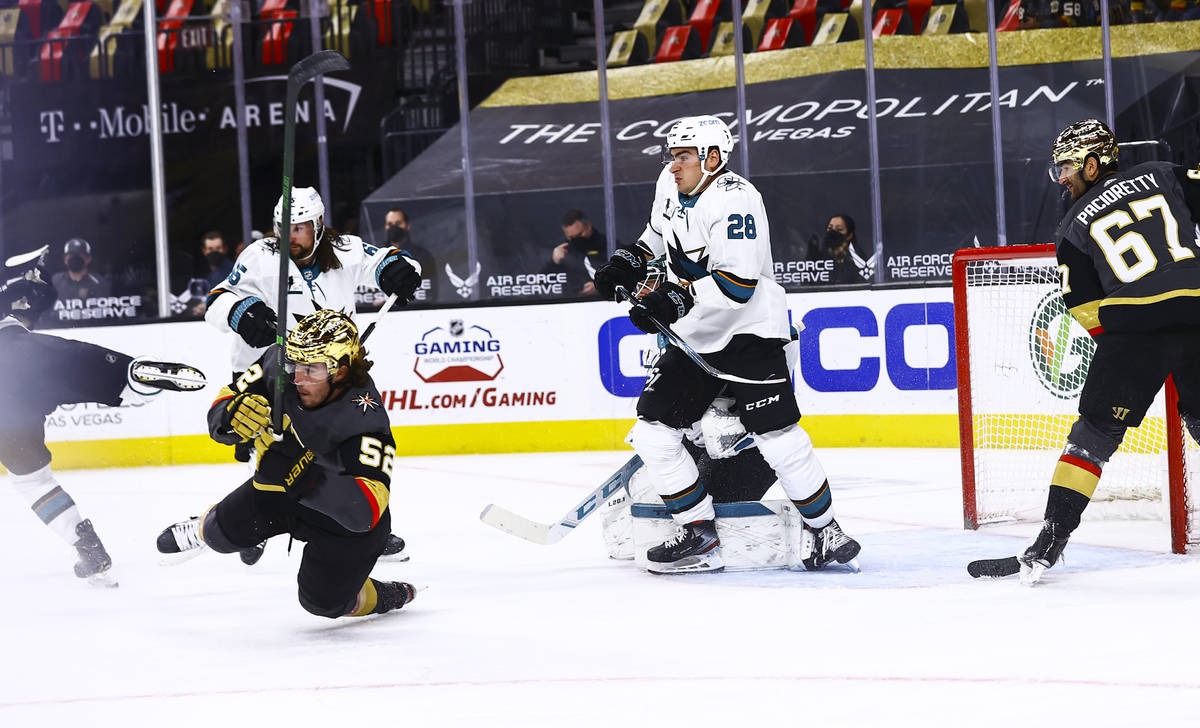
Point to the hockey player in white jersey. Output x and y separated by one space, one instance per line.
722 299
325 269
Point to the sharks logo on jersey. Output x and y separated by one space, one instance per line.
682 264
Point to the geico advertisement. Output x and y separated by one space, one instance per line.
861 352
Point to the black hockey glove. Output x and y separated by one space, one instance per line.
399 277
626 268
286 467
668 303
254 322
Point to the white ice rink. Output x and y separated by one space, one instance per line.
507 633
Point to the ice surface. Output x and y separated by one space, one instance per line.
507 633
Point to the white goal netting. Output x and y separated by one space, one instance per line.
1028 359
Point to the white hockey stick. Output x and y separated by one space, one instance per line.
683 346
387 306
548 533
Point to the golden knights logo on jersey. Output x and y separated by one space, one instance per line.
1059 348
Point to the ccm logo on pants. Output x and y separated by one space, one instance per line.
762 402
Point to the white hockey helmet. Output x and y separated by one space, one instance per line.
703 133
306 206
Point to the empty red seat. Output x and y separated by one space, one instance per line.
275 44
1012 17
775 35
917 10
59 40
889 22
804 12
702 19
679 43
43 15
382 11
167 42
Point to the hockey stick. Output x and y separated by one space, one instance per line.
387 306
17 261
548 533
683 346
305 70
994 568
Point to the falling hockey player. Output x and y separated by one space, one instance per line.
326 482
324 270
1130 275
722 299
43 372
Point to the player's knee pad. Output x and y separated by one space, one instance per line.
214 535
790 454
325 610
661 448
1098 440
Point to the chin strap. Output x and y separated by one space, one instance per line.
704 175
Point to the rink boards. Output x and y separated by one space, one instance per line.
876 368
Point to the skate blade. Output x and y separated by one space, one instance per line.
183 379
105 579
178 558
396 558
689 565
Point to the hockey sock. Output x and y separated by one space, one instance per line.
790 454
50 502
673 470
815 510
367 601
1065 506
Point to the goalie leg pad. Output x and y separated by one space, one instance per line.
790 453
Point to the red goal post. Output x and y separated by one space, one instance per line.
1021 360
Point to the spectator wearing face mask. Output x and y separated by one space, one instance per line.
216 258
841 246
77 281
585 250
397 226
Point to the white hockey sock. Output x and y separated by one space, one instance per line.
790 454
673 470
49 501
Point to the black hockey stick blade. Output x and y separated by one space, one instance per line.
994 568
318 64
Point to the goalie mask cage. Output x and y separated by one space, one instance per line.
1022 360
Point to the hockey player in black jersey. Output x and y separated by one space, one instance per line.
1130 271
42 372
326 482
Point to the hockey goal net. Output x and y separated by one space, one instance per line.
1022 361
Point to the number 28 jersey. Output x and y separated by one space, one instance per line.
1127 250
718 244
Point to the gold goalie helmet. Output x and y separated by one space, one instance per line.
323 337
1077 142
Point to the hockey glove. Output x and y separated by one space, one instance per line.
254 322
399 277
249 415
668 303
626 268
286 467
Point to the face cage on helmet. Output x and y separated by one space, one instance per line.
656 273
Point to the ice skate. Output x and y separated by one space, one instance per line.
251 555
695 547
94 563
393 550
1044 552
166 375
827 544
180 542
393 595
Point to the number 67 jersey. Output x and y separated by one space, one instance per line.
1127 250
718 244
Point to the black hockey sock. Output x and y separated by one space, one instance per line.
1065 506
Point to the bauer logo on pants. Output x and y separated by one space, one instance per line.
1059 348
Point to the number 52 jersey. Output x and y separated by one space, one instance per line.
719 244
1127 251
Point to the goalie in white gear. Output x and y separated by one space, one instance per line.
721 297
325 269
